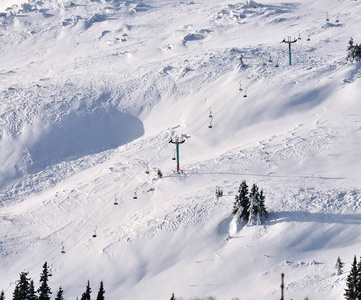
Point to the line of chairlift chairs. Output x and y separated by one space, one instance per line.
209 126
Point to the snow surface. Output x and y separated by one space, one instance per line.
91 94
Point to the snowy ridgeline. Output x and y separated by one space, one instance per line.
93 91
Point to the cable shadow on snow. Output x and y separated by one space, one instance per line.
308 217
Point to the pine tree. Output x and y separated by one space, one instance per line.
86 294
263 212
32 293
59 294
22 288
351 292
351 50
16 294
339 266
254 206
44 289
241 204
173 297
2 295
101 292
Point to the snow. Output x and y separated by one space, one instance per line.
91 94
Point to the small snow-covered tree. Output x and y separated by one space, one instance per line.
241 203
339 266
172 297
2 295
160 174
351 292
254 206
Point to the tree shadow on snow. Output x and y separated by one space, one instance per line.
303 216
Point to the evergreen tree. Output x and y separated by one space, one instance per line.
59 294
339 266
241 204
32 293
16 294
351 292
86 294
263 212
351 50
173 297
101 292
22 288
2 295
44 289
254 209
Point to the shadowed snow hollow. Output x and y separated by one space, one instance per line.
74 136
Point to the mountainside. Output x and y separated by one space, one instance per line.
93 91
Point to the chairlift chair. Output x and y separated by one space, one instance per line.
173 158
337 20
270 58
327 17
240 86
309 37
50 273
299 36
135 195
210 124
62 248
95 232
245 94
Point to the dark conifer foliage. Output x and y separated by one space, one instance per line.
249 208
354 51
351 290
86 294
22 287
101 292
241 204
2 295
44 289
32 293
59 294
172 297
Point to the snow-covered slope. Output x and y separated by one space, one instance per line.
91 94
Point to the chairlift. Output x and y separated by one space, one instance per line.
299 36
62 248
115 200
245 93
270 58
50 271
173 158
210 123
309 37
147 171
327 17
135 195
95 232
337 19
240 86
210 113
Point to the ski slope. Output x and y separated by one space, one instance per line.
91 94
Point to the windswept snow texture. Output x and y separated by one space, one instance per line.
93 91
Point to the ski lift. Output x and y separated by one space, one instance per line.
62 248
245 93
95 232
299 35
240 86
309 37
337 19
173 158
210 113
50 271
270 58
147 171
135 195
210 123
327 17
115 200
